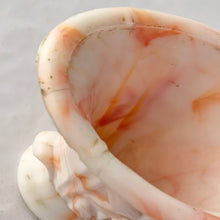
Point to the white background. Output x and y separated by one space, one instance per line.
23 24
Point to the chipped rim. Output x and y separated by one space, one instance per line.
53 59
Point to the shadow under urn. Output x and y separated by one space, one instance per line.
136 96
